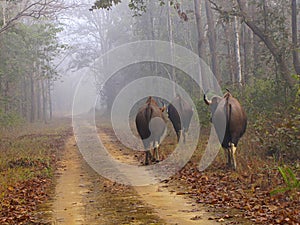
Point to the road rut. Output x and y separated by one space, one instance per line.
84 197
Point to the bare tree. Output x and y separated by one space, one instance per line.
13 12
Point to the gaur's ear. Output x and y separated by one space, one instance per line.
216 100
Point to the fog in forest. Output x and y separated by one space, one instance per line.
74 74
91 34
72 40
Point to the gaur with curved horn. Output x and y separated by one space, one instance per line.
230 122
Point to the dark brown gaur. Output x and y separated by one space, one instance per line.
230 122
179 109
151 124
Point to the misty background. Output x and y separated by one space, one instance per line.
47 46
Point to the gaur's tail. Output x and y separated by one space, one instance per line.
148 112
228 112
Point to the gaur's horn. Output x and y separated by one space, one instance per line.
208 102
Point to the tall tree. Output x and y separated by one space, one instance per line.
27 52
14 11
198 13
277 50
212 40
295 49
171 40
237 50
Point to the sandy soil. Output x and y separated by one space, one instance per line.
84 197
167 204
72 185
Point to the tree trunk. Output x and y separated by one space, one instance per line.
229 56
49 99
264 8
237 51
170 29
212 40
151 36
24 98
296 61
4 5
244 45
200 29
44 101
270 43
38 99
203 80
282 64
6 97
32 100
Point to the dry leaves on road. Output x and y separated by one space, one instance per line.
249 194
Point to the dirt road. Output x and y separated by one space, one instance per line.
72 186
84 197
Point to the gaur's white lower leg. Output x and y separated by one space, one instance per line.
233 157
156 145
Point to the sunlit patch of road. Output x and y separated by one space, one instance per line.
69 203
170 206
72 205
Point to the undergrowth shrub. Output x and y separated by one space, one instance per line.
273 118
10 119
203 112
292 183
273 113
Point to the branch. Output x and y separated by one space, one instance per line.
256 30
35 10
270 43
223 12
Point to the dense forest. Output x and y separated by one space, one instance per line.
251 47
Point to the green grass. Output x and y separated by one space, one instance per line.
292 183
30 151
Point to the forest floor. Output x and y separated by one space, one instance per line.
45 180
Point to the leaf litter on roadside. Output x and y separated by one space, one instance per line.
20 202
27 172
247 193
